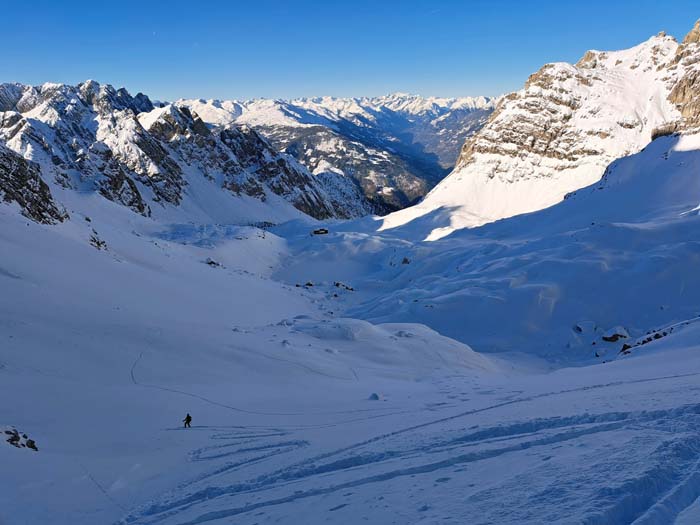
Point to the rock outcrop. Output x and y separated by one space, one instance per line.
20 440
561 131
685 93
21 183
395 147
92 137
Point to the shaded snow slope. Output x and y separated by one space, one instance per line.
113 328
344 397
617 445
620 252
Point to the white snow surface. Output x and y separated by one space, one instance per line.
607 106
498 399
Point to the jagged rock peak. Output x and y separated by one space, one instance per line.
561 130
103 97
693 37
94 137
171 120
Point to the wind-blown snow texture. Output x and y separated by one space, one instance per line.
539 369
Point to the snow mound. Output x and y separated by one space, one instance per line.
400 345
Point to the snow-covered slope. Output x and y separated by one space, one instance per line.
396 146
115 325
562 129
621 252
539 369
93 138
336 398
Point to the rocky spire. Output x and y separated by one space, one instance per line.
694 36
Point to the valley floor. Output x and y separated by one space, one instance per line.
614 443
330 379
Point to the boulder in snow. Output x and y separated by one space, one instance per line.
615 334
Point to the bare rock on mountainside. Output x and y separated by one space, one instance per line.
560 132
96 241
686 91
395 147
118 187
21 183
693 37
20 440
93 137
615 334
565 115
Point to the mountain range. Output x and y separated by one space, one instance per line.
91 138
519 346
347 158
397 147
327 157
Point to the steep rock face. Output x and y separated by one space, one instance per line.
85 137
607 105
396 147
685 93
343 190
244 162
92 137
281 174
561 130
387 181
21 183
693 37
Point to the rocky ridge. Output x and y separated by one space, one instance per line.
396 147
561 131
94 138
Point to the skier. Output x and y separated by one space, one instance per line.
187 420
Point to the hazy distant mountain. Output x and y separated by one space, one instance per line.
397 147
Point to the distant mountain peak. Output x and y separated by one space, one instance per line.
93 138
395 146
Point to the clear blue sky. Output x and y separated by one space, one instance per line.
264 48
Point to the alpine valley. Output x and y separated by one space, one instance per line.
383 310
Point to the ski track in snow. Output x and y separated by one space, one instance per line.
101 488
242 410
665 500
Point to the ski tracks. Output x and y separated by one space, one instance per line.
424 448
